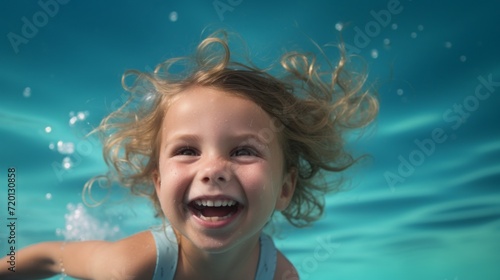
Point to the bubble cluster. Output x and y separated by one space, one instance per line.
65 148
75 117
81 226
68 148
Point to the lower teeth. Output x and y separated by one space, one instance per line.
215 218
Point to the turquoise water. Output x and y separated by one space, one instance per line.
425 206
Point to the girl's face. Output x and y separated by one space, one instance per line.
221 168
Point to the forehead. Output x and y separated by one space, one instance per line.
207 108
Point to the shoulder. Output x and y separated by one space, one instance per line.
285 269
131 258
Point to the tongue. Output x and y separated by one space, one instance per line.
217 211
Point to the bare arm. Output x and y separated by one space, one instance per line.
33 262
130 258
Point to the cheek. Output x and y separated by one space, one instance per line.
259 183
173 183
172 190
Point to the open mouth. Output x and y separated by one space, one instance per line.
214 210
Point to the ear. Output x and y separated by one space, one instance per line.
156 181
287 190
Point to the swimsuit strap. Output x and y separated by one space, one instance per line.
267 259
167 250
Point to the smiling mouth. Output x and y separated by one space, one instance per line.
214 210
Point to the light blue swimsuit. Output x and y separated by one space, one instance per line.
167 251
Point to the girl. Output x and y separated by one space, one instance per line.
218 147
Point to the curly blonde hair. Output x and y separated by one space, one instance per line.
314 109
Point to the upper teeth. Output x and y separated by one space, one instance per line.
214 203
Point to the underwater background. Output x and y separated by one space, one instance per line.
426 205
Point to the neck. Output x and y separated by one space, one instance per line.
239 262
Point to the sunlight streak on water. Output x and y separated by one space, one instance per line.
412 123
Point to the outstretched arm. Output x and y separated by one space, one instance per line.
130 258
33 262
50 258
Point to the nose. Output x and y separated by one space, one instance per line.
216 171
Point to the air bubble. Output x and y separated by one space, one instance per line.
67 163
27 92
374 53
394 26
48 196
387 41
73 120
420 27
400 92
173 16
339 26
463 58
81 116
48 129
414 35
447 45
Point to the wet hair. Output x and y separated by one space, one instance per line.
311 108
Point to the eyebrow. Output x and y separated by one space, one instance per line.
237 137
189 138
184 137
251 137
